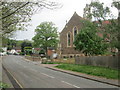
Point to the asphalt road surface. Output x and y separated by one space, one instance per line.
30 75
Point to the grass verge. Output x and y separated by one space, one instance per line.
92 70
4 85
50 63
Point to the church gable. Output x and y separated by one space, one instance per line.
70 30
68 34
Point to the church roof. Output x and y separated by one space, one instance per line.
75 18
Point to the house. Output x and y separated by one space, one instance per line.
67 37
18 49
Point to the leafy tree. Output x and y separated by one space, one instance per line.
96 10
15 15
25 44
28 50
1 50
46 36
88 41
114 28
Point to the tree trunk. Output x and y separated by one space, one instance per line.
119 36
46 52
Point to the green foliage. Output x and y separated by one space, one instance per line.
96 10
46 35
116 4
113 30
22 53
88 41
16 15
42 52
4 85
28 50
1 50
91 70
25 44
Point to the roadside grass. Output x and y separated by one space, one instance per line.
92 70
4 85
50 63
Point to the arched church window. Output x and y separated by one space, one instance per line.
68 39
75 32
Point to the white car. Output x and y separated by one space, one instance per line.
3 53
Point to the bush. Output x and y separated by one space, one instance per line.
3 85
22 53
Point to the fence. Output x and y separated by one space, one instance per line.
104 61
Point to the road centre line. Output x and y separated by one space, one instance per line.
70 84
48 75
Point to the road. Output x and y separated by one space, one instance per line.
30 75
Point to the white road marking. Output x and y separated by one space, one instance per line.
70 84
48 75
76 86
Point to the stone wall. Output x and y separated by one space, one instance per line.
33 58
104 61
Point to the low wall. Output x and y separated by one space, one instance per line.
105 61
33 58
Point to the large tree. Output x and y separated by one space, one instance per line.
96 11
88 41
46 36
114 28
15 15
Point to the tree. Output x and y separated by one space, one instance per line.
96 10
46 36
15 15
88 41
26 43
100 13
114 28
11 44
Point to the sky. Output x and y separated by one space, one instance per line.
57 16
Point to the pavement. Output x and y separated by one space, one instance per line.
6 79
90 77
3 75
0 68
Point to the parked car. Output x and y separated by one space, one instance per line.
3 53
